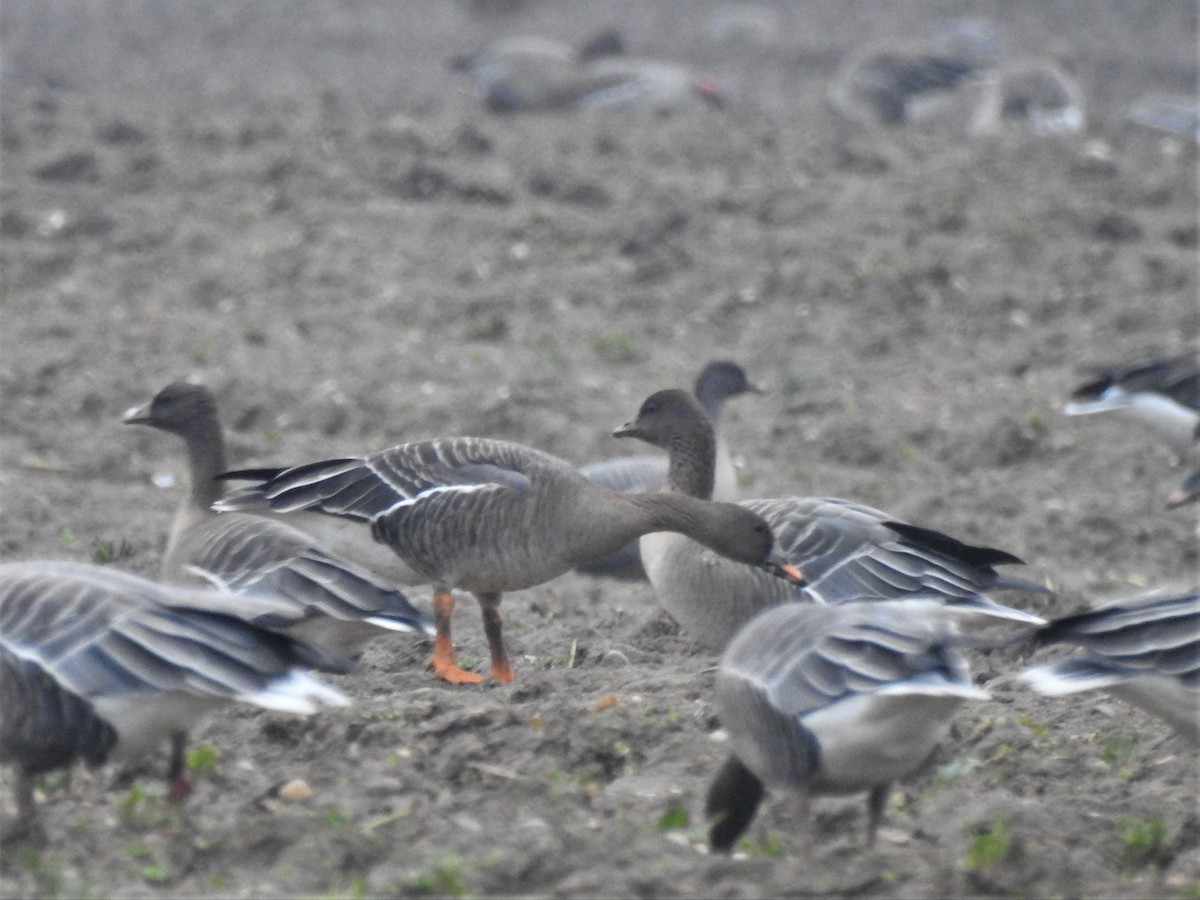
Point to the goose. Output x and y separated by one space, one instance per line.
1144 649
336 605
717 382
526 73
98 664
1034 94
1160 393
846 551
488 516
833 699
896 84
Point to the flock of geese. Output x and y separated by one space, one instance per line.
841 630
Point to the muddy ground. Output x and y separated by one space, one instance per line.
299 205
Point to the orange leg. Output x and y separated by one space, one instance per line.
490 604
443 663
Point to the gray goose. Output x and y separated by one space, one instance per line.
1143 649
845 550
833 699
336 605
1159 393
98 664
526 73
488 516
717 382
896 84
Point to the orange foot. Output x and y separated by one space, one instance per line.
502 671
449 671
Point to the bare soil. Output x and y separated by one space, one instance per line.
301 206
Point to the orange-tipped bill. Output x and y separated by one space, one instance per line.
788 572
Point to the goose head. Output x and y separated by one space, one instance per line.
175 409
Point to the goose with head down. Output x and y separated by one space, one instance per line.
833 699
98 664
336 605
489 516
846 551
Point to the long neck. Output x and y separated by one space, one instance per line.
206 460
671 511
692 462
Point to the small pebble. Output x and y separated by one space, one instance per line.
296 790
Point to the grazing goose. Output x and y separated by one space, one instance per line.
717 382
1144 649
336 605
846 551
489 516
896 84
98 664
833 699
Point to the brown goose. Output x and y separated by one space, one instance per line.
336 605
490 516
846 551
831 699
96 663
717 382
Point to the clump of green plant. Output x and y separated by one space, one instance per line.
202 759
771 846
156 869
676 817
616 347
110 551
1144 842
147 808
444 879
987 847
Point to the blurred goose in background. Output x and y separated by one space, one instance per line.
846 551
1036 95
335 605
98 664
1143 649
487 516
532 73
1161 394
1176 114
717 382
897 84
833 699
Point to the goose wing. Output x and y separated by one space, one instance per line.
100 633
250 554
364 488
849 552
